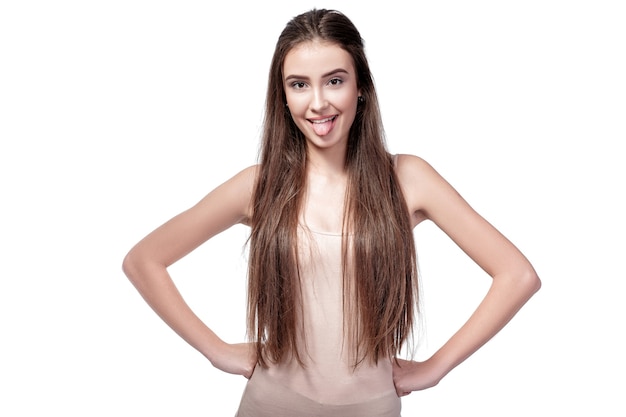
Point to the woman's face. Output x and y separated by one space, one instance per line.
321 90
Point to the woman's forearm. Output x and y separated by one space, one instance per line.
507 294
157 288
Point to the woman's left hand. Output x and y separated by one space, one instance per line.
409 376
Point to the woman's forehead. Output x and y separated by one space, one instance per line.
315 58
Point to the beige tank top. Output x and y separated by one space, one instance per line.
328 375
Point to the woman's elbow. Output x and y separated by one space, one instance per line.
141 268
130 265
530 281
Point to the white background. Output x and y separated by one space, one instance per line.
117 115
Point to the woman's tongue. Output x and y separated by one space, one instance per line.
323 128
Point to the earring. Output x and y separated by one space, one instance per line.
360 99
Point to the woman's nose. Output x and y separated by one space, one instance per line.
318 101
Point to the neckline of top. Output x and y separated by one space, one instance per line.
318 232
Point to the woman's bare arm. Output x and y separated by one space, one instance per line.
429 196
147 262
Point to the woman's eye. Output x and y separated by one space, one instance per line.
298 85
335 81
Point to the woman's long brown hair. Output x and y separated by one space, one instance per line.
380 273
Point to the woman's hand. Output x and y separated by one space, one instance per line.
238 359
409 376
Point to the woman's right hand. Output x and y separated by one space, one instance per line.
237 358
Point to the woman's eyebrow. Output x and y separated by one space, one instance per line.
328 74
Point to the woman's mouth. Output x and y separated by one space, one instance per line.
322 127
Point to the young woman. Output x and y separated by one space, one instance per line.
332 269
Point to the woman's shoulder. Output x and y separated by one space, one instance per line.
233 196
411 167
245 177
241 182
419 182
247 174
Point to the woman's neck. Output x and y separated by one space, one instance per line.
330 163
